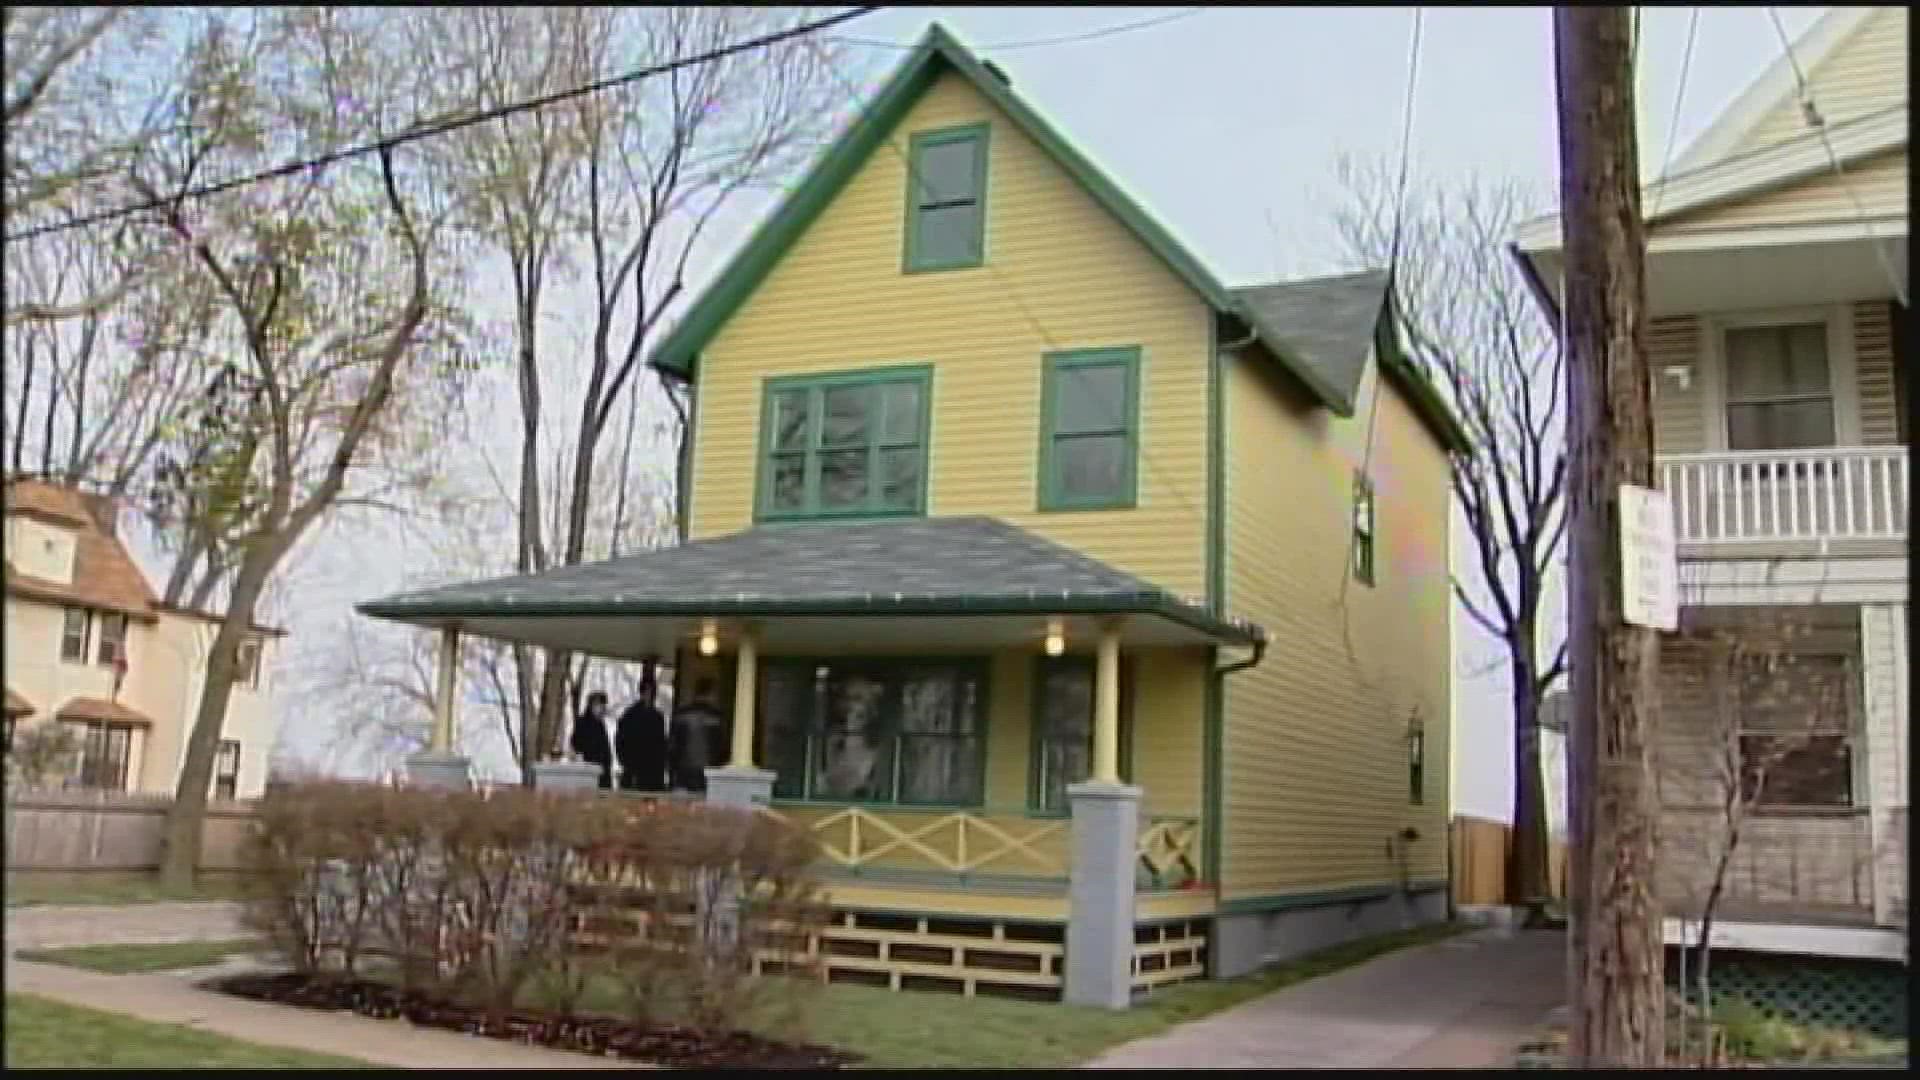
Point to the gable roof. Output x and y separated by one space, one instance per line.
897 566
939 52
104 573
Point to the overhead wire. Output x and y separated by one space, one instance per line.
444 125
1673 123
1810 112
1065 39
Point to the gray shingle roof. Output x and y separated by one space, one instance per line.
1327 323
959 565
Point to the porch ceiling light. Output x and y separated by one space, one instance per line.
1056 637
709 638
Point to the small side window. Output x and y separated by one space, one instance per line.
1363 529
947 199
73 634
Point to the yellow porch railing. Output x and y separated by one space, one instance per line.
1169 852
959 842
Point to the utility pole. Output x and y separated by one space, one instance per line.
1616 984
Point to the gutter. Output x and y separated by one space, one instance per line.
1541 294
1259 651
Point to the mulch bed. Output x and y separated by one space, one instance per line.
677 1047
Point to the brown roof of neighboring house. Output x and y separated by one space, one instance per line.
104 573
17 705
90 708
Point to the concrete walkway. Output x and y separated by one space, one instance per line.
173 997
1467 1002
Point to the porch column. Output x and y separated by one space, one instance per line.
1885 689
740 782
1099 960
438 765
1106 705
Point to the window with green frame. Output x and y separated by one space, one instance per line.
847 445
1089 429
1062 751
888 732
1416 764
1363 547
947 198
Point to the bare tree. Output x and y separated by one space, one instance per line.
1471 325
332 289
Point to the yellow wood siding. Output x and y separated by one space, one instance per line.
1168 748
1878 182
1873 362
1679 413
840 301
1865 74
1315 751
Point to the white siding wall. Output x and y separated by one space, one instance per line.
1883 646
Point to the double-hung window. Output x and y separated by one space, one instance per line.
73 634
1363 529
113 638
1089 429
849 445
247 664
1779 391
1063 729
1796 722
105 750
226 770
887 732
947 199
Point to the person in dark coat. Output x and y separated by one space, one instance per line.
696 737
589 740
641 741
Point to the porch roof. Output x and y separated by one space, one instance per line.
927 578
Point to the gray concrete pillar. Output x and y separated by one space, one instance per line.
1106 830
739 786
439 769
566 776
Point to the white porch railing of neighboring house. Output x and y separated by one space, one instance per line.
1840 493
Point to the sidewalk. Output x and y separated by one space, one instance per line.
130 924
174 999
1467 1002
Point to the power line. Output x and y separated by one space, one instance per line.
1673 123
441 127
1009 46
1811 113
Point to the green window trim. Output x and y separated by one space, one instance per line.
921 198
1365 530
1417 766
877 441
1036 735
978 668
1054 366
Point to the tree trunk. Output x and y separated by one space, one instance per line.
1527 860
180 853
1618 993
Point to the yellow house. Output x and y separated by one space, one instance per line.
90 646
1093 614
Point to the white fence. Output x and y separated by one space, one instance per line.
1845 493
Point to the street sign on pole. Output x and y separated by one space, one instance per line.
1649 566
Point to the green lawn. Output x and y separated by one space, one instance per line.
922 1031
119 889
131 959
43 1034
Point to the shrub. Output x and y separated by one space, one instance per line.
484 897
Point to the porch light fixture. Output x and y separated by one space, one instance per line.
1056 637
709 638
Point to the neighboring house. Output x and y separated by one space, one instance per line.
89 645
1781 364
993 489
1553 760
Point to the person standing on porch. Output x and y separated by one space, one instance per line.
641 741
696 727
590 737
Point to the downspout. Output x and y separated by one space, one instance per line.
1259 651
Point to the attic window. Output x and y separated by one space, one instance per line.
947 199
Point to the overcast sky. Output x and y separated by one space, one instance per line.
1227 123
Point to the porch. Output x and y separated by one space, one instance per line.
1823 502
997 742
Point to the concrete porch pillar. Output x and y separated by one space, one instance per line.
1884 690
1099 960
741 783
438 765
566 776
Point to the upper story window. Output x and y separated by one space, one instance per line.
1779 393
247 664
226 770
947 198
74 629
113 638
845 445
1363 524
1089 429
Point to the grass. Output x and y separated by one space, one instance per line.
135 959
43 1034
143 889
923 1031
